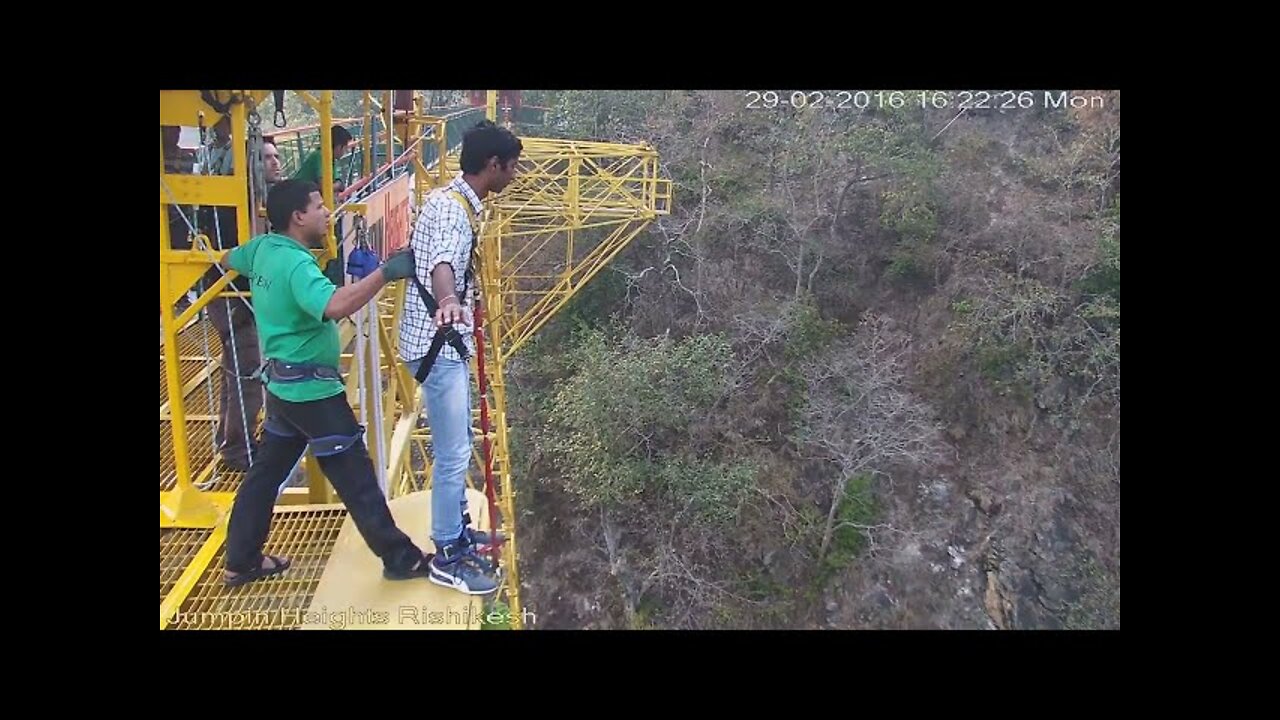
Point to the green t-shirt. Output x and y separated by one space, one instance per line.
289 297
310 168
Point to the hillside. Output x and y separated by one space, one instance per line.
865 375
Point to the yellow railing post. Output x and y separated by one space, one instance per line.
185 505
326 167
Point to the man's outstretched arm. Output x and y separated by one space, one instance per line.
350 298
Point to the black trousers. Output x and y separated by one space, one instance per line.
327 425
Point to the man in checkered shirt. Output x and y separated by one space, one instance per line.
443 242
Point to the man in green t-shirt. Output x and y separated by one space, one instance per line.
309 170
296 308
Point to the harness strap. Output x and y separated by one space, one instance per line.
331 445
474 220
282 372
448 334
445 334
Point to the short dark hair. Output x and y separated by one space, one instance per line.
339 135
286 198
487 140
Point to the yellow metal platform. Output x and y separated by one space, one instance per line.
353 594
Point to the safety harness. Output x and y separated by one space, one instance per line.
277 371
448 333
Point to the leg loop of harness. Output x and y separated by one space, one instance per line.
334 444
276 426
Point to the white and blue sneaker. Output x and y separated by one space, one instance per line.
457 565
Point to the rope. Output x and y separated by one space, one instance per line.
482 383
360 330
375 319
367 320
257 169
235 357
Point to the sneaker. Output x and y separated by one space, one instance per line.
457 566
480 539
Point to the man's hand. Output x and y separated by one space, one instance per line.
449 312
399 266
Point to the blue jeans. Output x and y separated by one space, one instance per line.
447 394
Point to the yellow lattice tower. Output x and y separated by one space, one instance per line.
572 208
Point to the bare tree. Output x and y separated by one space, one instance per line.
860 415
649 551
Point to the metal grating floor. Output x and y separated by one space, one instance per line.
191 347
199 447
199 441
177 549
187 369
227 481
192 339
205 398
305 536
